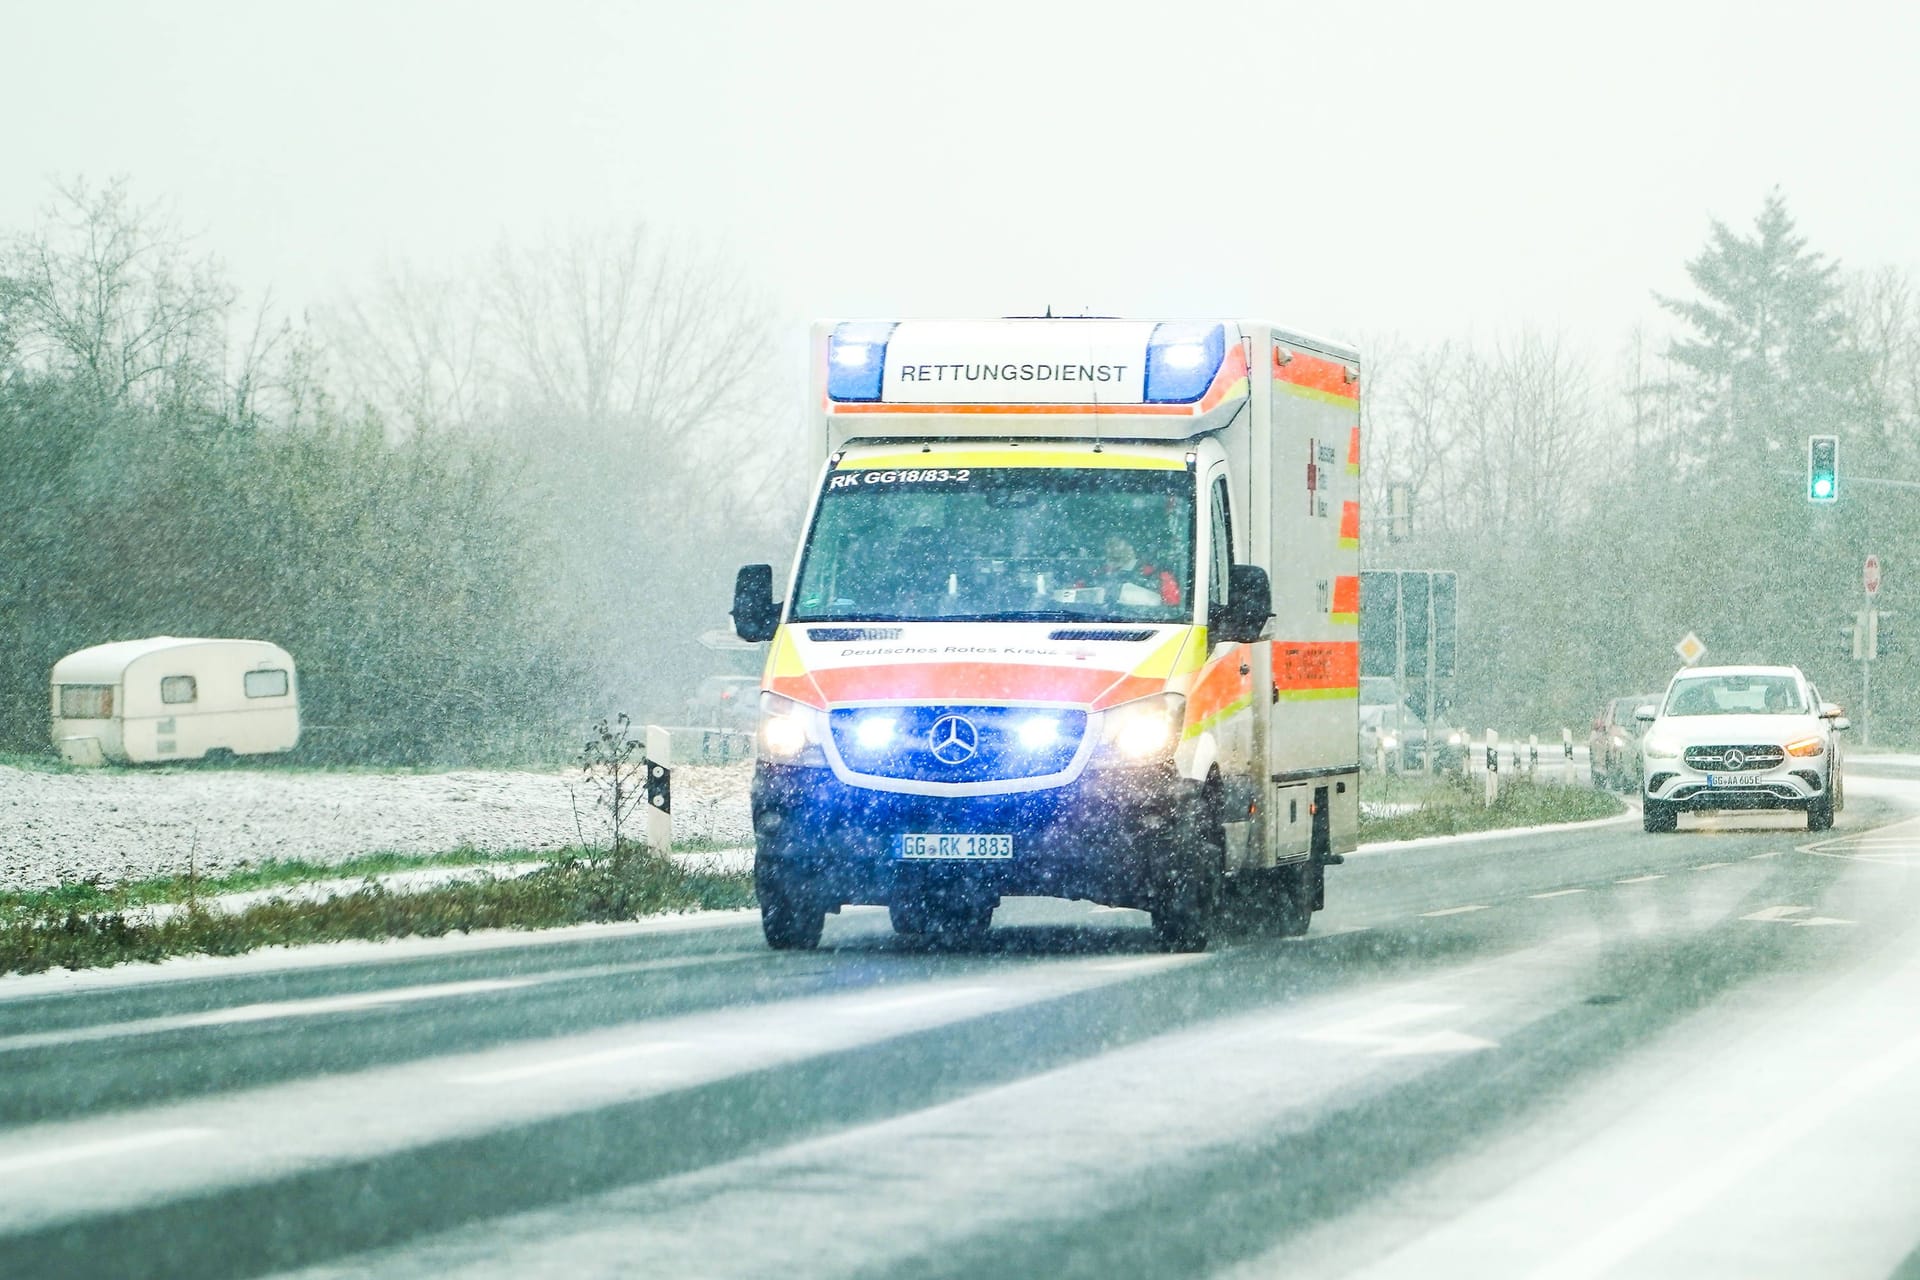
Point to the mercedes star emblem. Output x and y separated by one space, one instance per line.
953 739
1735 758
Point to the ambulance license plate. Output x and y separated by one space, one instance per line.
962 845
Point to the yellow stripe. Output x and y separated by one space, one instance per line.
1317 695
1349 544
1314 393
1345 619
951 458
783 659
1233 708
1163 662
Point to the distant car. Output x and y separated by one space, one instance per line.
1613 746
1741 738
1391 732
725 702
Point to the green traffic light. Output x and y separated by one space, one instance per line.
1822 487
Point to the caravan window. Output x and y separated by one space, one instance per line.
267 684
175 689
86 702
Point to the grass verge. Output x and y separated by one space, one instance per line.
1453 806
576 889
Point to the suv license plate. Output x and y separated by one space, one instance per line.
965 845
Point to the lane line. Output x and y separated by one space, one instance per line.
321 1006
1451 911
1664 1208
1642 879
1557 893
559 1066
917 1000
104 1147
1712 866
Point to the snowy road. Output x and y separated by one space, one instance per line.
1582 1053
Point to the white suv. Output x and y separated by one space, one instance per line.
1741 738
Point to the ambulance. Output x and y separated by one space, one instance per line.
1075 614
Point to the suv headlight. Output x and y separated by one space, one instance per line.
1806 746
790 732
1143 731
1657 746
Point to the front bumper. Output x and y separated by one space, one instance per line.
1792 785
1100 837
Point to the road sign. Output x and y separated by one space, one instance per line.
1690 649
1871 575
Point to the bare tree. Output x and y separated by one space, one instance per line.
418 350
108 290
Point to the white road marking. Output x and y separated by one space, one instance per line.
1374 1029
1786 915
104 1147
1557 893
1450 911
1777 853
913 1000
1665 1206
1712 866
320 1006
1641 879
559 1066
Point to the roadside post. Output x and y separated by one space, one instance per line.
1867 645
659 766
1566 753
1493 767
1533 754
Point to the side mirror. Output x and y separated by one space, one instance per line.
755 614
1841 722
1249 605
1647 713
1830 711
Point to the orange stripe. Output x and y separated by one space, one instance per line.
1220 684
800 688
1316 374
1150 409
1233 370
1353 451
1346 594
1308 664
987 681
1349 532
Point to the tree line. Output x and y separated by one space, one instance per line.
481 510
1596 520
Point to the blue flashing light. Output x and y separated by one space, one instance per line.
857 359
1038 731
874 732
1182 359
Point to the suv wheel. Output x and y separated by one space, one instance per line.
1820 811
1657 815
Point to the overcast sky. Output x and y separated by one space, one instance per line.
1347 168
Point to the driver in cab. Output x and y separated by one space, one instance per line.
1128 579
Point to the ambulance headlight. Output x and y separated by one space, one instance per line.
789 732
1182 359
1143 731
857 359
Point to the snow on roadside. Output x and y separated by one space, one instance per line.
123 825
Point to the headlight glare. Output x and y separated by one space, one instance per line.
1143 730
1658 747
787 732
1806 747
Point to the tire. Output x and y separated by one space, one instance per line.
1820 812
1659 816
1277 903
791 918
1186 893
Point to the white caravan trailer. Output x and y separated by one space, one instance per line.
166 698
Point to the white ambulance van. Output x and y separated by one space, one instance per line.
1075 614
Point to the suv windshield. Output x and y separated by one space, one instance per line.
1756 695
1100 544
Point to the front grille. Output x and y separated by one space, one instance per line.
927 744
851 635
1735 759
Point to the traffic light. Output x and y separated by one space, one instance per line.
1823 468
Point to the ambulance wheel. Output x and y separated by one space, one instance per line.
1186 897
791 918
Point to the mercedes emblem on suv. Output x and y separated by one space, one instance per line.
954 739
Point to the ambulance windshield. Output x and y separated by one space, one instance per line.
1101 544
